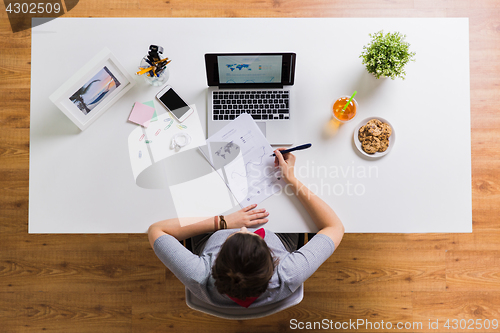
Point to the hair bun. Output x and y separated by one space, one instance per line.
235 277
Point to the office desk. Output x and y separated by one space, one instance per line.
81 182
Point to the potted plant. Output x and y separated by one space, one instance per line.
387 55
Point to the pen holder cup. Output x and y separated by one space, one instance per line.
157 80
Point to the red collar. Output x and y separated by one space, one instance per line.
261 232
249 300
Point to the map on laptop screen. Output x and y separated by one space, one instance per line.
250 69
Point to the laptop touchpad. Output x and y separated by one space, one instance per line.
262 127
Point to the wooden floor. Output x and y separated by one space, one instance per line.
115 283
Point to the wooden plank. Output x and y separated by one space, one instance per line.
472 270
483 147
18 40
65 243
121 8
395 242
15 71
13 206
65 312
15 109
465 306
484 238
279 8
367 306
354 270
14 151
84 271
461 4
306 9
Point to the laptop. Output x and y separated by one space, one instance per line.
255 83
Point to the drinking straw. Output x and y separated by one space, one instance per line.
350 99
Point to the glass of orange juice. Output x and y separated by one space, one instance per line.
350 111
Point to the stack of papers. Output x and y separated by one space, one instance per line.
241 155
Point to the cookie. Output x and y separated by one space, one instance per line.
375 122
383 136
370 149
386 129
371 144
373 129
384 144
374 141
362 133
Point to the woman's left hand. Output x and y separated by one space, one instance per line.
246 217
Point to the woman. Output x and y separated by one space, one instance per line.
232 268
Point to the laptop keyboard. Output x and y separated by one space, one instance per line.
261 105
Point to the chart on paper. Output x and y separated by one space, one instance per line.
242 156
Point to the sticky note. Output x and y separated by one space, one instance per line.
141 114
152 104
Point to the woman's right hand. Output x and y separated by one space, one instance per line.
286 163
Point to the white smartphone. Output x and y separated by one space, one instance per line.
174 103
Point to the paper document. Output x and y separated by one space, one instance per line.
241 155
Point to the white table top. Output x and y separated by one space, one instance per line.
82 182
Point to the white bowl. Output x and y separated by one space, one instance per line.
357 143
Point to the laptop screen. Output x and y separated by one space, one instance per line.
250 69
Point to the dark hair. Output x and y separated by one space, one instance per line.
243 266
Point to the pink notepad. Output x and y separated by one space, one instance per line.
141 114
